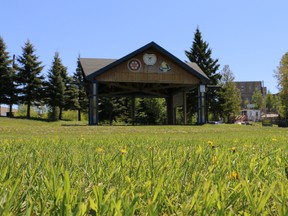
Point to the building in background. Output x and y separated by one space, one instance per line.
247 90
248 109
4 111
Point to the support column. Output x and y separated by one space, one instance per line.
133 110
93 104
185 108
201 105
170 111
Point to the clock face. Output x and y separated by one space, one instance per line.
149 59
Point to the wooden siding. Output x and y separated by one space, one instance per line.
149 74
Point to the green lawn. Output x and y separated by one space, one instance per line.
73 169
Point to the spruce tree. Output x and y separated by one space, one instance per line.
81 104
200 53
55 86
8 87
70 94
5 71
12 88
29 77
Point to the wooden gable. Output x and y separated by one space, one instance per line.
165 70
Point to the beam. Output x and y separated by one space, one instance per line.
93 104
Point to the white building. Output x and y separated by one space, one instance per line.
252 114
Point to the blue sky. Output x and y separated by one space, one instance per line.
249 36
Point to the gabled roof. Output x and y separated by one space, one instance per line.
91 65
94 67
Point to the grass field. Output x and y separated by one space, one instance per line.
67 168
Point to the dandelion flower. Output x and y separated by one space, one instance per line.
210 143
233 175
123 151
214 159
99 150
233 149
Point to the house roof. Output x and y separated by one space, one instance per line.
93 67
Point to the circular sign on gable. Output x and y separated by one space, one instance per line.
134 65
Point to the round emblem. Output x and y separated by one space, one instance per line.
134 65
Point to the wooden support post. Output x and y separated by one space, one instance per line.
201 105
185 108
170 111
93 104
133 110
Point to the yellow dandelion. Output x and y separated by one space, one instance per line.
123 151
99 150
233 149
274 139
233 175
211 144
214 159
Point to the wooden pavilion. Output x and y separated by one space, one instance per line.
149 71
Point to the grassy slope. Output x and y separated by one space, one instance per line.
13 128
48 157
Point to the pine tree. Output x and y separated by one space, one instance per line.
55 86
29 77
70 94
230 94
8 87
5 70
81 103
200 53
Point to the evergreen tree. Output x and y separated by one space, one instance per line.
8 87
66 95
230 95
151 111
112 109
200 53
55 86
29 77
5 71
70 94
282 76
81 103
12 87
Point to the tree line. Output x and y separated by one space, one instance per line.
22 82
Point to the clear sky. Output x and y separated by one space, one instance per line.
250 36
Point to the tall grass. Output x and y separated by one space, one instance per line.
51 169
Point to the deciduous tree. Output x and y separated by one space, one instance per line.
282 77
257 99
230 94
